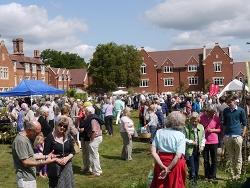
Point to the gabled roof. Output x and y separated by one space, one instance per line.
24 59
59 71
78 76
239 67
180 57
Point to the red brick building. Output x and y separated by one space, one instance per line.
239 70
59 77
16 67
79 78
191 69
68 78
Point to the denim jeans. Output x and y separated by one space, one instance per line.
193 163
152 130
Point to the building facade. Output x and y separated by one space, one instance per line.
189 69
16 66
79 78
59 77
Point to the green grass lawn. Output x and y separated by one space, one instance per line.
116 173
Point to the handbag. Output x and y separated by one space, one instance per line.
54 170
76 147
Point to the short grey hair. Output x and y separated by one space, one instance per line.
31 125
176 120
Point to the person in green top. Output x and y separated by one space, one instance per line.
24 158
195 142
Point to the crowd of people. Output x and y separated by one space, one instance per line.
182 129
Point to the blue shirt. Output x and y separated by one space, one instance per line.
170 141
233 120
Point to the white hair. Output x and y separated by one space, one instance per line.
90 109
44 109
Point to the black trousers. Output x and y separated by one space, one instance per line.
210 160
109 124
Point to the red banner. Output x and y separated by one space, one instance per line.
213 90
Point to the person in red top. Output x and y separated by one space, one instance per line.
212 127
81 113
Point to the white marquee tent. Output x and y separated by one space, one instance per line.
120 92
234 85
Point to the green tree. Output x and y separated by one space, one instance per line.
60 59
113 66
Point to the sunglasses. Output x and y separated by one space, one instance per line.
64 126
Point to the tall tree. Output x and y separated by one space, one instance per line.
113 66
60 59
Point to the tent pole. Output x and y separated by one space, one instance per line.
31 100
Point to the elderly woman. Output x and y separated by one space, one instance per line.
60 173
195 139
127 129
168 149
211 123
43 120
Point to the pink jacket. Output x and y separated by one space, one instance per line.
211 123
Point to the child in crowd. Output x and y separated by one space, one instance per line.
38 148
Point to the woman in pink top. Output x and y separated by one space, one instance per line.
211 123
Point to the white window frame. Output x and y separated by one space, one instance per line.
218 81
34 68
218 66
144 83
14 66
143 68
59 78
42 69
168 82
192 68
193 80
4 73
168 69
43 79
27 67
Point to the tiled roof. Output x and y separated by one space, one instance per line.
60 71
24 59
77 76
239 67
179 57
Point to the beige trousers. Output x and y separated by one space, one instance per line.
233 146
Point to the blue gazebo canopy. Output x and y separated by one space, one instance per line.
32 87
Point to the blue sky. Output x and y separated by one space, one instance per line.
80 25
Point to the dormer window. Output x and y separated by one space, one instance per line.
143 69
168 69
192 68
27 67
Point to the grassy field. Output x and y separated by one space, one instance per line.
116 173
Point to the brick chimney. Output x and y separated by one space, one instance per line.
18 46
36 54
204 52
230 51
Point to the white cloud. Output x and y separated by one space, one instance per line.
84 51
196 23
193 14
39 31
